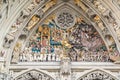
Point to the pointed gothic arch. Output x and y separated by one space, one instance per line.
50 11
97 74
34 74
53 10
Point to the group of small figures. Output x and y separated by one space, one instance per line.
36 57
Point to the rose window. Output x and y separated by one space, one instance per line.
65 20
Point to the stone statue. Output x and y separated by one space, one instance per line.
65 69
8 41
99 22
100 7
16 52
49 5
80 4
32 22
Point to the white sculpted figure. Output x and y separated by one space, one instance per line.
65 67
41 57
16 52
49 57
53 57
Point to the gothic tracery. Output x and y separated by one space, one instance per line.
77 35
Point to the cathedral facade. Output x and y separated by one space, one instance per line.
59 40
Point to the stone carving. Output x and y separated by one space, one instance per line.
107 15
8 41
65 66
81 5
34 75
73 77
109 39
111 20
65 71
49 5
116 3
17 24
79 43
17 49
97 75
34 20
114 53
16 52
4 76
99 22
99 6
26 56
65 19
2 67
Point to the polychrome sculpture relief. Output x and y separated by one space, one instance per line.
34 20
23 16
49 5
52 41
108 15
81 5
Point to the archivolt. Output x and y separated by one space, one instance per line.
97 74
34 74
51 11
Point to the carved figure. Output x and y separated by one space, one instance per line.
34 20
16 52
80 4
8 41
99 22
65 67
49 5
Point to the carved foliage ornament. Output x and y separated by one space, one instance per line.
97 75
34 75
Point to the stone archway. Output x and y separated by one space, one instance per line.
97 74
34 74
